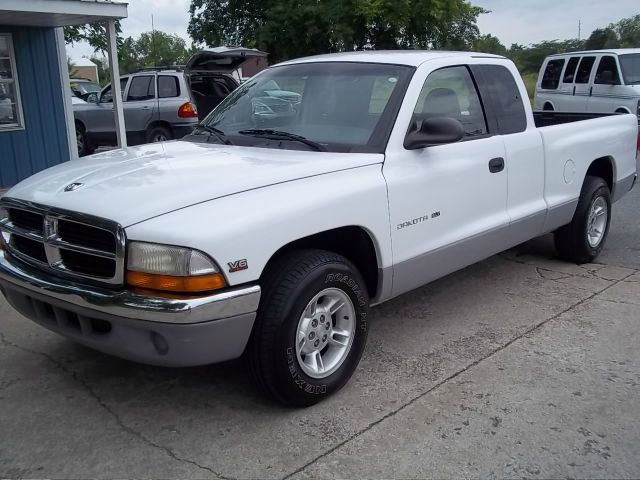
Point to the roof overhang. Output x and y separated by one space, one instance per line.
59 13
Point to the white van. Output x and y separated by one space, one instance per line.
602 81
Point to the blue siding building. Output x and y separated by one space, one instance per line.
36 118
38 138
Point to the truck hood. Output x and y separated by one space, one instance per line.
137 183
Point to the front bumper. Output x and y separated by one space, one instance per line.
153 330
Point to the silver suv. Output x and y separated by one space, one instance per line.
161 104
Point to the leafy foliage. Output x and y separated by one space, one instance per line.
602 38
94 34
293 28
628 31
152 49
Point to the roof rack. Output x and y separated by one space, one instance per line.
177 68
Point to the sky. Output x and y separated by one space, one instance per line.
512 21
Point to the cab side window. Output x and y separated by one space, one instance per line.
570 72
551 75
584 69
607 73
450 92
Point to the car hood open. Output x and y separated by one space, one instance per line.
220 59
137 183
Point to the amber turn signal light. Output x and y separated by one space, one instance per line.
170 283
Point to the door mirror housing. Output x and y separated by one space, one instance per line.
433 131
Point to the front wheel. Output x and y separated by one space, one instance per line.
583 239
311 327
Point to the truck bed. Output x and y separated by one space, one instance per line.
548 118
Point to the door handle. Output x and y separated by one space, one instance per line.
496 165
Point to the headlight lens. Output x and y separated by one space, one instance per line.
168 260
172 269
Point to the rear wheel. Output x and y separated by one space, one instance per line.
311 328
548 107
158 133
583 239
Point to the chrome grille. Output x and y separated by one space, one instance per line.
67 243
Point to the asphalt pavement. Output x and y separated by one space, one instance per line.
518 366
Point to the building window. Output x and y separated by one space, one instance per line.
10 106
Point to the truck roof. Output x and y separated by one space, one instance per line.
614 51
396 57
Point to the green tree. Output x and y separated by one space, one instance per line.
489 44
628 31
94 34
292 28
602 38
158 48
103 69
528 59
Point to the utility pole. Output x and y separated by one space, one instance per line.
579 29
153 43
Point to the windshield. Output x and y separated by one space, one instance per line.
630 65
82 88
330 106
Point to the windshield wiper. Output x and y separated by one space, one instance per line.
219 134
280 135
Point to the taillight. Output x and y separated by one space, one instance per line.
187 110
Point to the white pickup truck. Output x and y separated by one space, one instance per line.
271 230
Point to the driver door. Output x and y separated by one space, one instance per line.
446 202
102 123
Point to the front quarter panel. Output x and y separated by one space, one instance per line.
254 225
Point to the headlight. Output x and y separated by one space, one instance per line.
171 269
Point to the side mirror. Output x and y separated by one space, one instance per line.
433 131
92 98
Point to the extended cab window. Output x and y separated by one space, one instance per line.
502 99
607 73
570 72
551 75
584 70
450 92
142 88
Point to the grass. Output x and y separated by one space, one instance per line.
530 82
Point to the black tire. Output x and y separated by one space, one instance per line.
158 133
572 242
82 142
288 287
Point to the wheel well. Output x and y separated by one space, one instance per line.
548 106
159 123
603 168
622 110
352 242
78 123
